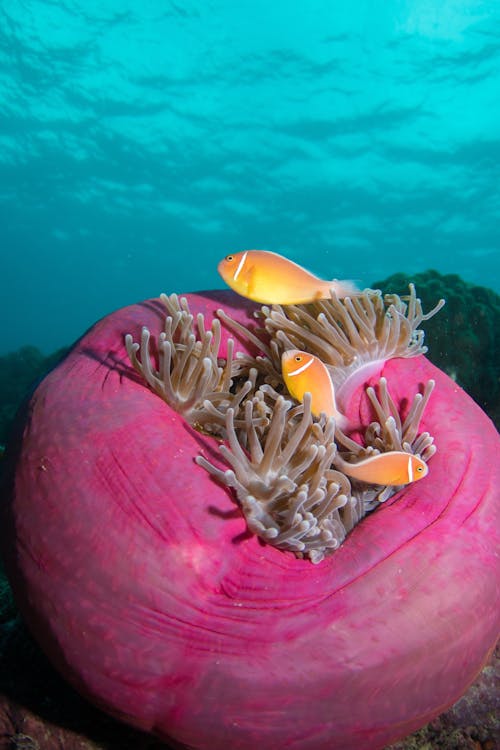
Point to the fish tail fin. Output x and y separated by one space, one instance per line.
344 288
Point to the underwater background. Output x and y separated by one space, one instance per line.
141 142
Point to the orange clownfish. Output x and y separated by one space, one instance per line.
271 279
305 373
393 467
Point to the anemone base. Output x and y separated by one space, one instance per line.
134 571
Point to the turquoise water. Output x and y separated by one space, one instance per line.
142 141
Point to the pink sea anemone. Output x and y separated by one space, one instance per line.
135 571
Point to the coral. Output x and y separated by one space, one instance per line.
463 339
19 371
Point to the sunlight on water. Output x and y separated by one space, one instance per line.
140 143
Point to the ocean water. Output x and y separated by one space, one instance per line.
142 141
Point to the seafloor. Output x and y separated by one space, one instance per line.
38 711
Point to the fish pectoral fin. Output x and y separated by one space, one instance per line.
248 278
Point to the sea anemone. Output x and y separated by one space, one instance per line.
353 336
136 571
286 485
188 371
287 490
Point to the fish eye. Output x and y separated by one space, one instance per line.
229 258
298 358
420 468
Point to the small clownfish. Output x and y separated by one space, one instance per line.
271 279
393 468
305 373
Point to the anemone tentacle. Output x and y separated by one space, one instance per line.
280 459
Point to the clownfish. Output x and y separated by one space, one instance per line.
393 467
271 279
305 373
